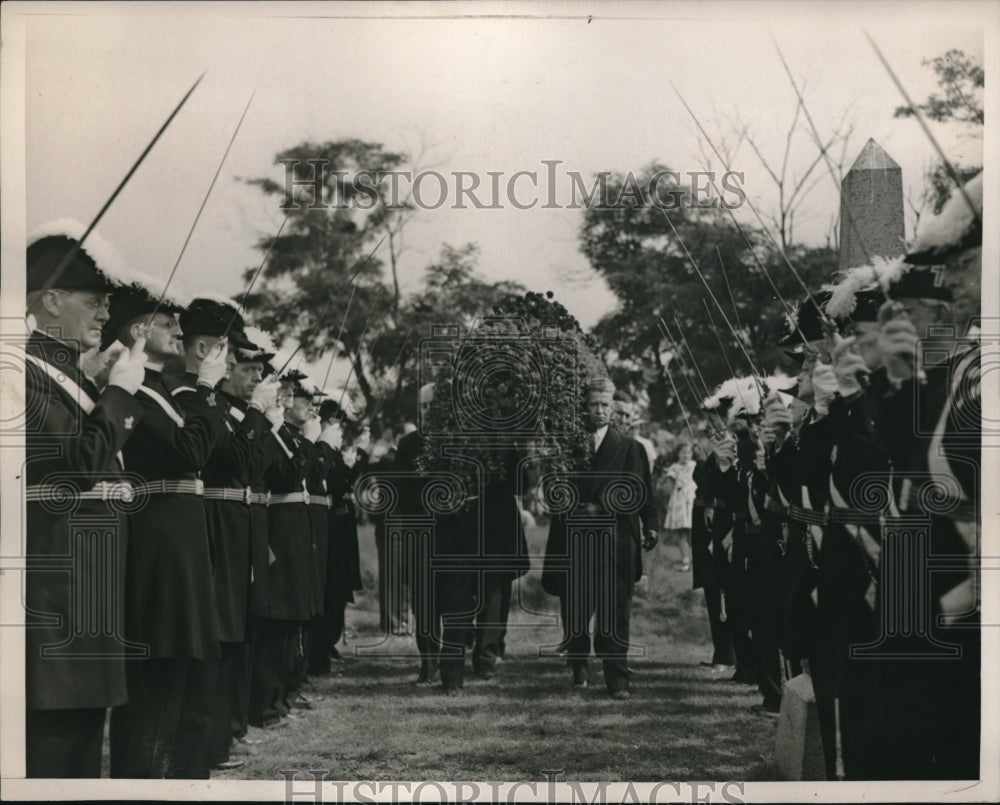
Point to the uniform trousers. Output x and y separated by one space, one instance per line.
766 610
272 641
722 639
739 602
163 730
64 743
230 703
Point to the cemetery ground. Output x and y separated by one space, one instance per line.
683 722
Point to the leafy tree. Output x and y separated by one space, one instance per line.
632 246
961 80
328 240
453 294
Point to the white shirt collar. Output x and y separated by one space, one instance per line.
599 435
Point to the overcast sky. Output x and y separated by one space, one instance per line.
472 94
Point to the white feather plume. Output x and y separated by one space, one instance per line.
844 293
260 339
949 226
108 259
157 289
779 381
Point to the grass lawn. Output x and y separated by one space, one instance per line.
682 723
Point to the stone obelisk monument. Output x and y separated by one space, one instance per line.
871 209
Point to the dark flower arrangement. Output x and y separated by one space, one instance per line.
512 387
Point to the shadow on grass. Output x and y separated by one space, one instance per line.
372 723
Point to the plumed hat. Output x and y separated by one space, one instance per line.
141 297
215 316
94 265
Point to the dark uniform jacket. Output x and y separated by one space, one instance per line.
265 450
289 531
75 448
170 596
344 560
230 466
319 520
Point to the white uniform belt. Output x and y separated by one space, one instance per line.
230 493
292 497
103 490
801 514
164 487
321 500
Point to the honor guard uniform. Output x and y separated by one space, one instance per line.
289 604
163 730
341 571
770 581
252 401
931 701
319 532
705 571
227 496
76 496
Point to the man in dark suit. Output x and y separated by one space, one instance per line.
613 518
417 548
73 671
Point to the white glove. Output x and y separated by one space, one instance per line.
725 451
363 440
129 370
824 383
847 366
265 395
311 429
332 435
213 367
275 415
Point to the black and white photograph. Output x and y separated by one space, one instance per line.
503 401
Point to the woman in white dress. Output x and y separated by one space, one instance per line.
680 487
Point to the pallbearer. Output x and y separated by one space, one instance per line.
75 433
163 730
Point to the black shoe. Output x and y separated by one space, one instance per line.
452 690
228 764
743 677
621 695
300 703
335 655
581 684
